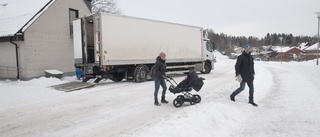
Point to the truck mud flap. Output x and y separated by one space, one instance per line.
97 80
72 86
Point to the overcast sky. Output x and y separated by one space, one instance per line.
232 17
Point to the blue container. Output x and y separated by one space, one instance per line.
79 73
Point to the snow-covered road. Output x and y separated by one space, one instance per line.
288 95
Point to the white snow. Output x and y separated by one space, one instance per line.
288 97
54 71
313 47
15 14
282 49
303 46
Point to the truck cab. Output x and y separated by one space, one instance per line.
208 56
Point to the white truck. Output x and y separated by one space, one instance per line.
120 47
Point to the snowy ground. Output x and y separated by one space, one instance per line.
288 95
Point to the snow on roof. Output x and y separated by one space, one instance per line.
266 47
16 15
304 45
237 48
312 47
282 49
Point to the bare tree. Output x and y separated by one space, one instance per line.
107 6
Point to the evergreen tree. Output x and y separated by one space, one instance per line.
289 40
267 40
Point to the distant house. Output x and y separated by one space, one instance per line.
36 35
269 52
236 52
311 52
288 53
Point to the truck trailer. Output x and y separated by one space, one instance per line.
117 47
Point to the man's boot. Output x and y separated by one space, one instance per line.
156 102
252 103
163 100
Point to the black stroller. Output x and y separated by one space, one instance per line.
192 81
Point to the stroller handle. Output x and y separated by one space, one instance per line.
169 79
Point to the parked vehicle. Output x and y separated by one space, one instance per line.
122 47
257 59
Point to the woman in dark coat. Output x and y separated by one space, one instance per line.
245 73
159 78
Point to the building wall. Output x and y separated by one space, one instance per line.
288 55
8 63
7 54
48 44
311 54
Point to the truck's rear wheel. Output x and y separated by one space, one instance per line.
207 68
152 72
141 73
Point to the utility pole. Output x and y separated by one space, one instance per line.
318 14
281 48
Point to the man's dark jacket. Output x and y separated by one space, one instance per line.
245 67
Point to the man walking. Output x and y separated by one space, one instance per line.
245 74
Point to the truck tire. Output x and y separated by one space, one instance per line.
152 72
207 68
141 73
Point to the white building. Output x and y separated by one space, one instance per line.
36 35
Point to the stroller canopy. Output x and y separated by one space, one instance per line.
194 81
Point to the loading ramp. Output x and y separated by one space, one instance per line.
72 86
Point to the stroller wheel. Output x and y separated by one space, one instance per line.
197 98
181 97
192 101
177 102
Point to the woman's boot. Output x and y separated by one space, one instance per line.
163 100
156 102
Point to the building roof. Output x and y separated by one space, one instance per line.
88 3
304 45
283 49
313 47
17 15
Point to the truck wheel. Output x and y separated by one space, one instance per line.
141 73
152 72
207 68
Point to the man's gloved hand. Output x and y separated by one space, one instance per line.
239 78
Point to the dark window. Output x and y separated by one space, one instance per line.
73 14
209 46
